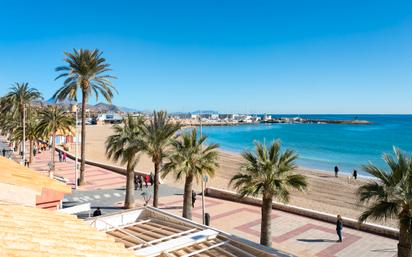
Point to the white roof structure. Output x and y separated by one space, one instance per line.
152 232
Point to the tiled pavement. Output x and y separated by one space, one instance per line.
291 233
96 178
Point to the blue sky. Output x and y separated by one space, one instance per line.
230 56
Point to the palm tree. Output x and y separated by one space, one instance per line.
190 160
124 145
32 133
85 71
53 119
390 196
18 100
157 136
270 173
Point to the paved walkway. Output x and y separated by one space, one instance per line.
96 178
291 233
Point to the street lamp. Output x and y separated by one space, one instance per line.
23 157
204 179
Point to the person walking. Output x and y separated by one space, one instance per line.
60 156
339 226
355 174
193 198
64 156
336 171
146 180
151 178
136 181
34 150
140 182
4 152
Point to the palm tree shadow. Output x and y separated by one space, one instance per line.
317 240
387 250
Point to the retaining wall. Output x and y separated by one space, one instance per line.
352 223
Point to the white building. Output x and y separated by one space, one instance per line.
109 118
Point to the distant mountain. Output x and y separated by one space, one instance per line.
103 107
205 112
127 109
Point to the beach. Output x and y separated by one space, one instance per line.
325 193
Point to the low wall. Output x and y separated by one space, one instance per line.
352 223
117 169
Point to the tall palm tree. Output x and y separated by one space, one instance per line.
85 71
189 160
390 196
270 173
124 145
32 133
156 138
53 119
18 100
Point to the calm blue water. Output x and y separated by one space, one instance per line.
322 146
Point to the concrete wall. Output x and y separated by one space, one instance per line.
114 168
367 227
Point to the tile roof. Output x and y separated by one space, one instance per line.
29 231
19 175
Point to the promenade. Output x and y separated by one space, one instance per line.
291 233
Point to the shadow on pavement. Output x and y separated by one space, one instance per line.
316 240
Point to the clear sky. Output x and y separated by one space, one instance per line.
231 56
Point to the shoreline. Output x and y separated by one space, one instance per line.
325 192
310 169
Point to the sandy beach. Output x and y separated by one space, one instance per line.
325 193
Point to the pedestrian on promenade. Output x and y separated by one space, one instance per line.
146 180
339 226
26 163
97 212
140 182
64 156
151 178
60 156
355 174
193 198
336 171
34 150
4 152
136 181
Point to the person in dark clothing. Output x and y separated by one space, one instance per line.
151 178
140 182
60 156
336 171
355 174
4 152
136 181
193 198
34 151
97 212
339 226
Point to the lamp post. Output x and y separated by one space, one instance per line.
204 179
23 157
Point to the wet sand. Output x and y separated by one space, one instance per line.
325 193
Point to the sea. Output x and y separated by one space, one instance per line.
322 146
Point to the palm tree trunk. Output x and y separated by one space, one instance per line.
31 151
156 184
405 240
129 199
53 152
265 229
83 139
187 197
